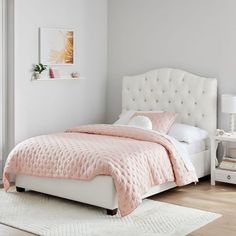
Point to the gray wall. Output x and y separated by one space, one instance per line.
45 107
195 35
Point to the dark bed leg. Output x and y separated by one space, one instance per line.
112 212
19 189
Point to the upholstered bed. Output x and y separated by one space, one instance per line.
191 96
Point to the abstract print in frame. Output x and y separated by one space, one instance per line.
56 46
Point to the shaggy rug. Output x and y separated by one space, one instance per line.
46 215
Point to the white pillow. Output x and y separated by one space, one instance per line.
124 118
141 122
187 133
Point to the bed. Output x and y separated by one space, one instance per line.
192 96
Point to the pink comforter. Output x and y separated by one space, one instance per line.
136 159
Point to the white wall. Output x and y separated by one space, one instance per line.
196 35
44 107
1 82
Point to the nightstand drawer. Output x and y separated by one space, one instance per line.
225 176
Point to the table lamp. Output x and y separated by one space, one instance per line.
229 106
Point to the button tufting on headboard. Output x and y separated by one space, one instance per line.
192 96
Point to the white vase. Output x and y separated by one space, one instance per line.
37 75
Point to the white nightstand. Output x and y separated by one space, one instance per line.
216 173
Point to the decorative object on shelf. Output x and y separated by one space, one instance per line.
232 153
38 70
57 46
228 164
75 75
54 73
229 106
220 132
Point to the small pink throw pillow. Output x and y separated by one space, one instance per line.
161 121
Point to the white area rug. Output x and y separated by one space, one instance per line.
46 215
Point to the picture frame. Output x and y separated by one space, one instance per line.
57 46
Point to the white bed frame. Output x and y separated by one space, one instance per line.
192 96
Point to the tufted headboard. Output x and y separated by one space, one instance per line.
192 96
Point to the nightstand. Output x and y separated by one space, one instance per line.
218 174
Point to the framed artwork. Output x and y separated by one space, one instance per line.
57 46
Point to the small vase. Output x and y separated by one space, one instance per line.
37 76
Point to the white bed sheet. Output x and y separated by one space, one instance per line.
195 147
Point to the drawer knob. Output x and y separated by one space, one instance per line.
228 177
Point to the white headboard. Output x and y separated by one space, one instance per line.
192 96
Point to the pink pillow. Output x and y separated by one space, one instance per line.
161 121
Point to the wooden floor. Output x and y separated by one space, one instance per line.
220 199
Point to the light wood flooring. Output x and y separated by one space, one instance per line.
220 199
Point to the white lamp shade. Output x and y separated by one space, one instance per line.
228 103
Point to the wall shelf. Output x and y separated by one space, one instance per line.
60 79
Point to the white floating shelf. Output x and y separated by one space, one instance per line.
62 78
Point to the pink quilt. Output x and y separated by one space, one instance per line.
136 159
